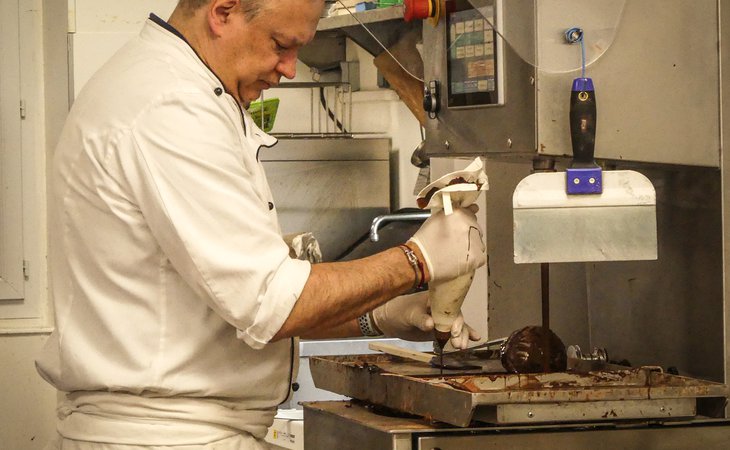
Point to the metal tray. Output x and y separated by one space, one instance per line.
500 398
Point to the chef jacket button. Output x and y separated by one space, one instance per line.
295 386
271 206
218 91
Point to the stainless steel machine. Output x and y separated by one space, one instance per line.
661 80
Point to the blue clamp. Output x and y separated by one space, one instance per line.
580 181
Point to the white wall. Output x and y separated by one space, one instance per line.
27 403
100 27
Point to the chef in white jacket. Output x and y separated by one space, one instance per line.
176 302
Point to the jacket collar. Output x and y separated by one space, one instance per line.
156 28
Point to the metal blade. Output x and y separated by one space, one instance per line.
618 225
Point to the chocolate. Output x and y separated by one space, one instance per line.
525 351
442 338
422 202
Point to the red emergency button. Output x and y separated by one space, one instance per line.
418 9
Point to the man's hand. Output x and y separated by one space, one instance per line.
462 333
451 245
407 317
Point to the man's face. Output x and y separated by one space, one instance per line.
253 54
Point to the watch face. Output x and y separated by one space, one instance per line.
472 54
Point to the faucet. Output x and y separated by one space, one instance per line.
380 220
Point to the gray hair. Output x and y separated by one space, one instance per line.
251 8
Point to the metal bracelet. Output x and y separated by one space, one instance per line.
415 264
367 327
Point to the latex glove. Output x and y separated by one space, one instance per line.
462 333
451 244
408 317
405 317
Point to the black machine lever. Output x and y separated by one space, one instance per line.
583 122
584 176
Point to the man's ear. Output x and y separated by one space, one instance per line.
220 13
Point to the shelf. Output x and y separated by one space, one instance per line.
366 17
328 47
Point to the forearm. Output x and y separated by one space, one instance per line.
336 293
345 330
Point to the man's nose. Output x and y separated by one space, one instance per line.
287 66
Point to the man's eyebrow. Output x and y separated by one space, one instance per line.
290 41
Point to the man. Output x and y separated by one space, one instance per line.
176 301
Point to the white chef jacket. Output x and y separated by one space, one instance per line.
169 274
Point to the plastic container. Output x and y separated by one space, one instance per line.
269 107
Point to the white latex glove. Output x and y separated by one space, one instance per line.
462 333
408 317
405 317
451 244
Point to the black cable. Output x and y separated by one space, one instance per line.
331 115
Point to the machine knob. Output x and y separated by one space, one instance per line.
431 98
418 9
430 103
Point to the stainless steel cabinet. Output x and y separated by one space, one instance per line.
331 187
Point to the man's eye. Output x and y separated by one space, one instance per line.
279 47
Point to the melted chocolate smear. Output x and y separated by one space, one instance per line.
423 201
524 351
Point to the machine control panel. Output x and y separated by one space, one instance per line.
474 54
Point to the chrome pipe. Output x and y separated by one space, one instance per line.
380 220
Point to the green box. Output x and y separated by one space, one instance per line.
386 3
270 105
